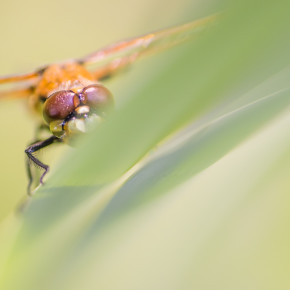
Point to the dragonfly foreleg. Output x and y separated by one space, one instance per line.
31 158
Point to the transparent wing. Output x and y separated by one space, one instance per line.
113 58
31 79
117 56
17 93
21 77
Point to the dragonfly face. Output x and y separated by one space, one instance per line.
68 112
69 96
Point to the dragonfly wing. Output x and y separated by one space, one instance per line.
25 91
17 93
113 58
22 77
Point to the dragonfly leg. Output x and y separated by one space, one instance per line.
30 150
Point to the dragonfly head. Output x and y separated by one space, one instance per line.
68 112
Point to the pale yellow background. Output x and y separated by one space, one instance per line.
34 33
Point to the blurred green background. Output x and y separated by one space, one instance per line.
186 185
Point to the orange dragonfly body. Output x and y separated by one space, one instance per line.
68 95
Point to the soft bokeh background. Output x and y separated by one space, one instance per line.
35 33
204 207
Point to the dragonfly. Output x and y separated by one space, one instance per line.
68 95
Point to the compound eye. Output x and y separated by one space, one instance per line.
59 105
98 98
